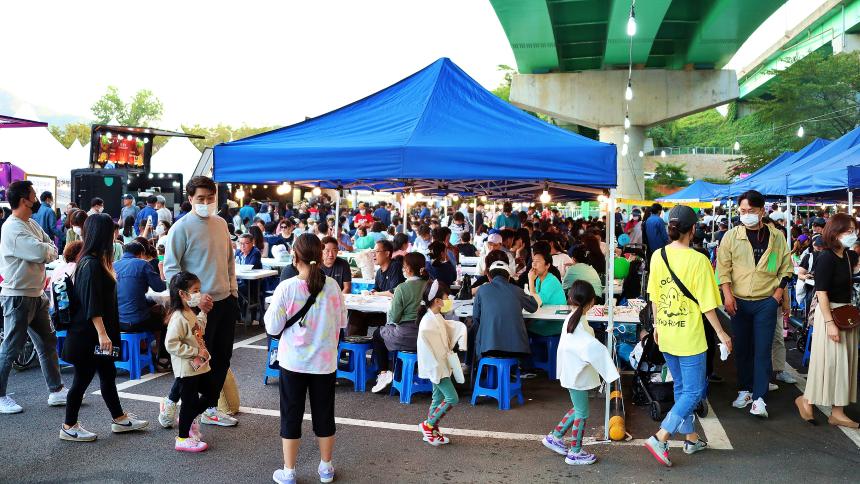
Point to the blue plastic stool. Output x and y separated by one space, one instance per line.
61 340
407 381
356 369
268 372
806 351
133 360
499 376
544 353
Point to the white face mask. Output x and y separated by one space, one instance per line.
194 299
749 219
848 240
77 230
159 230
205 210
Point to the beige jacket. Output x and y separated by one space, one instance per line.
184 345
736 265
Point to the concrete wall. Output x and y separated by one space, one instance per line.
697 166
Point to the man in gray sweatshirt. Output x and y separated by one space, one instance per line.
199 243
24 250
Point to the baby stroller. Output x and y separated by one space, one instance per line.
652 382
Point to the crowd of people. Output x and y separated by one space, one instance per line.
526 259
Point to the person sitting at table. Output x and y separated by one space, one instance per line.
401 331
390 273
422 241
344 241
465 246
259 241
401 246
362 240
150 252
248 254
494 242
498 328
439 267
443 234
581 270
335 267
134 276
560 259
545 287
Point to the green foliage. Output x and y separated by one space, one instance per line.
670 175
651 193
143 109
67 134
721 181
222 133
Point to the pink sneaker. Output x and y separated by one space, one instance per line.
190 445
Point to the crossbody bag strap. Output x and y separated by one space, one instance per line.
678 282
299 315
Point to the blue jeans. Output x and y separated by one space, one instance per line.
688 373
752 334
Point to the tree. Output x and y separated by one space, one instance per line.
143 109
222 133
670 175
69 133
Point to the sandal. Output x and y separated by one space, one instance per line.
805 412
847 423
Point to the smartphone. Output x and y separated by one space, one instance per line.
114 351
562 311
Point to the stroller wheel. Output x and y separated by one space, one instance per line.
656 411
702 409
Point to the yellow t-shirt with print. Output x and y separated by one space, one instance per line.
677 318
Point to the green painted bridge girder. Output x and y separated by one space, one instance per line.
844 18
591 34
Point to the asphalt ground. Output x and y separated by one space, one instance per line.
377 439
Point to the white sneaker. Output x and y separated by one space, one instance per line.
772 387
786 377
382 381
213 416
759 408
58 399
8 405
744 399
127 424
77 433
167 413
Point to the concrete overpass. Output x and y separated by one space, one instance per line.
572 57
833 27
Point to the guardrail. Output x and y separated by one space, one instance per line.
692 150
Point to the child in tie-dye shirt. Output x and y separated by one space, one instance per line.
307 354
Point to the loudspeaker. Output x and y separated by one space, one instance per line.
109 185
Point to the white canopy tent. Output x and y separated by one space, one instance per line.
178 155
36 151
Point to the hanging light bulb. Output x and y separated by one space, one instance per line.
316 191
410 199
737 145
545 197
800 132
641 153
624 149
627 122
662 153
483 198
631 23
240 194
626 138
455 197
628 93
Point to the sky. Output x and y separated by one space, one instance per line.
254 62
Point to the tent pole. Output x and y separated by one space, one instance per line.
337 217
610 295
475 221
850 203
403 208
788 223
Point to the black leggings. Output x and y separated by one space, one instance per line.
197 395
293 388
84 374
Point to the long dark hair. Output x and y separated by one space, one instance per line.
308 249
182 281
257 234
442 292
415 262
580 294
99 230
128 226
437 250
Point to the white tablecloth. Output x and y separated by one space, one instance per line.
271 263
255 274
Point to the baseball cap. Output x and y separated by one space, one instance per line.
818 242
127 196
494 239
161 199
500 265
820 222
684 215
802 238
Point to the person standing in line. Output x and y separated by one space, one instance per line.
129 209
682 290
45 216
164 213
307 355
655 230
754 267
24 250
832 377
199 243
95 325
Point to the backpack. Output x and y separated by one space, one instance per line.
62 295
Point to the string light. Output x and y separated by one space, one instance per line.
545 197
316 191
240 194
631 21
624 149
800 131
662 153
627 121
641 154
737 145
628 93
626 138
283 188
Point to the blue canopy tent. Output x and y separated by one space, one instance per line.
699 191
438 129
763 178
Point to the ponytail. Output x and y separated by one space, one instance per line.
432 290
308 249
580 294
416 264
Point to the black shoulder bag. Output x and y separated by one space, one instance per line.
678 282
298 317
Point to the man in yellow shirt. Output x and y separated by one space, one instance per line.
754 267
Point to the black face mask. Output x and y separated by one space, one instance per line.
36 205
